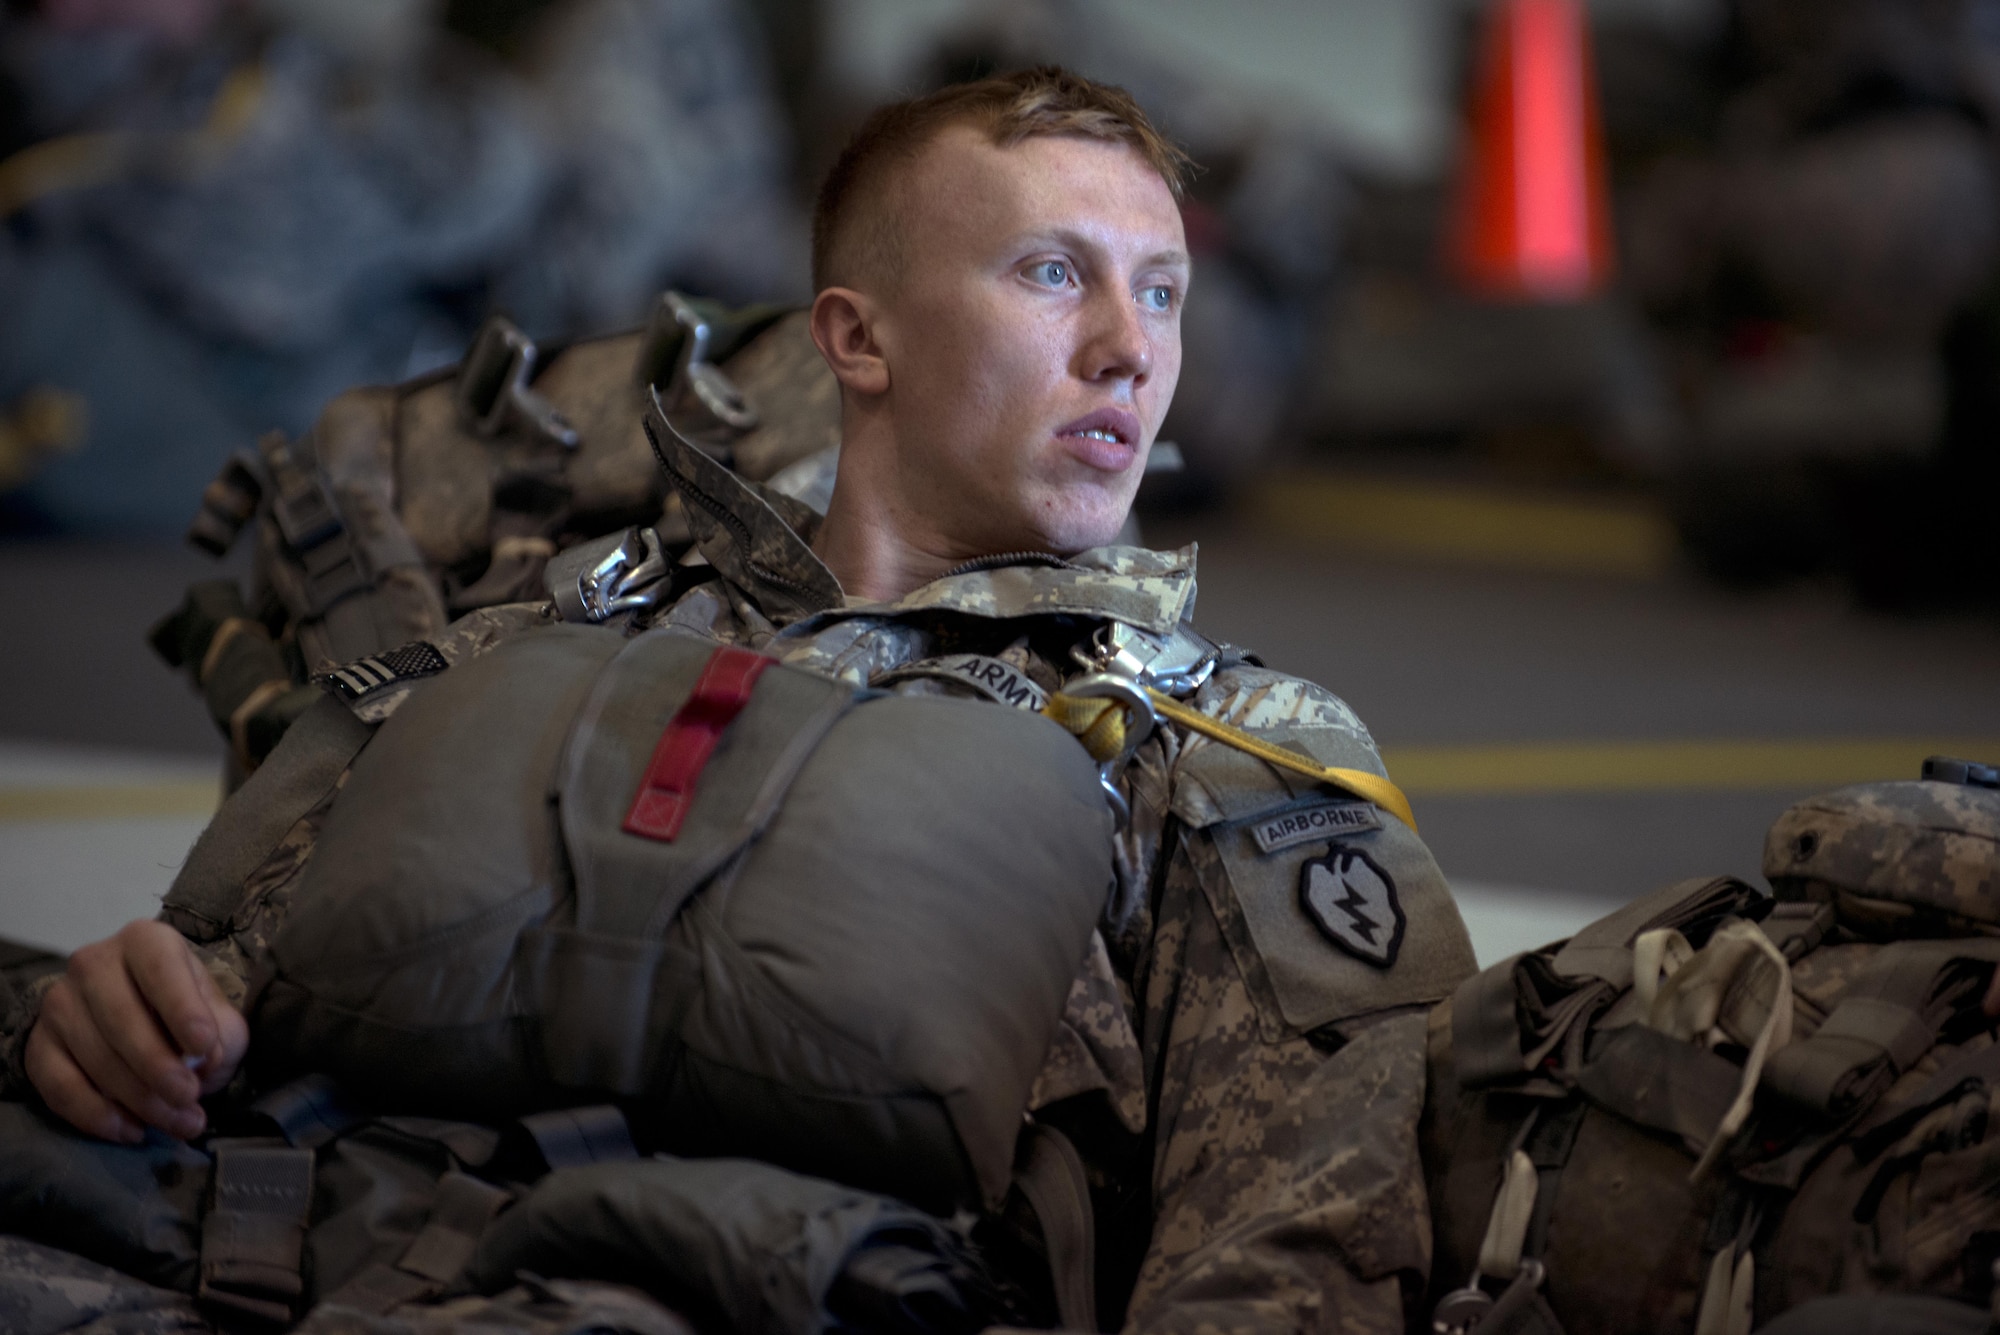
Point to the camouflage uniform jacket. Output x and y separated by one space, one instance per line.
1244 1085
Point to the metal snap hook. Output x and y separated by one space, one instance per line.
1140 720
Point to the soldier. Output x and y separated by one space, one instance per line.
1000 270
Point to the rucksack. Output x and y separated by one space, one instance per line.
409 505
1715 1104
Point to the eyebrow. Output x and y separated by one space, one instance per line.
1075 240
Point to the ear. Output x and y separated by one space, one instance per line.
843 327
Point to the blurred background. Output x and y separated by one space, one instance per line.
1604 399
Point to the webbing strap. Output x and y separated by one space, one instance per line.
667 789
1486 1027
436 1256
1513 1210
1887 1020
254 1236
571 1136
1050 1174
1957 1076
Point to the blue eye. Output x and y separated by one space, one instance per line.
1050 273
1159 297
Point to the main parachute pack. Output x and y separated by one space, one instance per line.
617 892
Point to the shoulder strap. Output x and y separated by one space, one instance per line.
299 774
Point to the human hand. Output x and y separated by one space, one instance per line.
132 1035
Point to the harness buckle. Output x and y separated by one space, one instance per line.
493 392
694 374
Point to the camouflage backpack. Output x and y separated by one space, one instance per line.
407 506
1714 1105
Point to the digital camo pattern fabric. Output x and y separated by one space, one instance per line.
44 1291
48 1292
1933 846
1280 1163
544 1307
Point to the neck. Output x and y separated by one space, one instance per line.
870 555
873 540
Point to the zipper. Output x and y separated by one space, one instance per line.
979 563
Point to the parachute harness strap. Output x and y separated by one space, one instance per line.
1085 707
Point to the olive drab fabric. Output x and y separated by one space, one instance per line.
407 506
1715 1105
849 960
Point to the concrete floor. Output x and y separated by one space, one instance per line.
107 759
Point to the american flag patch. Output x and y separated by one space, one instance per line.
366 675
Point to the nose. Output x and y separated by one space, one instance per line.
1116 344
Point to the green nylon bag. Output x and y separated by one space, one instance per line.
850 962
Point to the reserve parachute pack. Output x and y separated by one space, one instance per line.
1714 1105
407 506
767 914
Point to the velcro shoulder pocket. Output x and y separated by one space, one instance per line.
1331 907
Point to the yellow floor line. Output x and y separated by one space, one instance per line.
1421 771
1641 767
1469 525
122 801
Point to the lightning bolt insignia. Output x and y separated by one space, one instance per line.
1353 902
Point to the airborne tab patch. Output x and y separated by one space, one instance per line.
1353 901
1320 821
366 675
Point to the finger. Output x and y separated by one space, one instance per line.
173 984
122 1032
232 1034
66 1022
69 1093
106 1070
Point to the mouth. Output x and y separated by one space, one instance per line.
1107 440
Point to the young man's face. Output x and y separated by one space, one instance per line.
1032 338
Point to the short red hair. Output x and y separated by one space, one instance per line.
848 232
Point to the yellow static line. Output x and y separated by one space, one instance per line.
1471 525
1641 767
1373 787
121 801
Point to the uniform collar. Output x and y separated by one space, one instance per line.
760 542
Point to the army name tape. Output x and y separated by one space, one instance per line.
998 681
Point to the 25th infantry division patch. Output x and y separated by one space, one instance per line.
1351 899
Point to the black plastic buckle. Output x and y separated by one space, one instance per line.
1943 769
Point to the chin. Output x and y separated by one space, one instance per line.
1082 528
